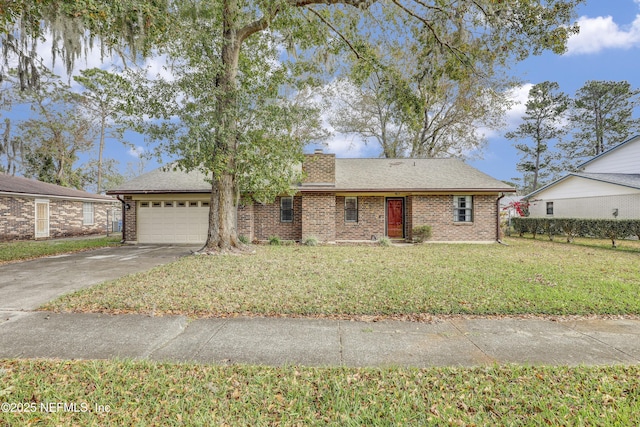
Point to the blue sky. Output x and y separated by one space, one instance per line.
607 48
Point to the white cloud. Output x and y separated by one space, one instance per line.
519 96
513 116
597 34
136 151
346 146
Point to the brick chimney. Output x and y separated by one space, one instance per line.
320 168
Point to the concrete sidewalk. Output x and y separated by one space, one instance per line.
314 342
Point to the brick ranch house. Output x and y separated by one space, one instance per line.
31 209
339 200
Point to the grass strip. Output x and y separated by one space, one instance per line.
24 250
116 393
528 277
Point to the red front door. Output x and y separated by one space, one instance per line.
395 218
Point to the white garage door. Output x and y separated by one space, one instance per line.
167 221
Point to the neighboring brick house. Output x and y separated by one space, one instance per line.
340 200
31 209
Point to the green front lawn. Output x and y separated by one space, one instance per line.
117 393
23 250
526 277
534 277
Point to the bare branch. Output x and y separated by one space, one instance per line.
335 30
360 4
263 23
457 52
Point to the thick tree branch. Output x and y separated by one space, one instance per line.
257 25
263 23
354 3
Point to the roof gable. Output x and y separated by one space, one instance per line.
18 185
623 158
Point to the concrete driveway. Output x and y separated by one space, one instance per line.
29 284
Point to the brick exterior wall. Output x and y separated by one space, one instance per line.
130 233
370 223
246 220
267 221
319 216
437 211
17 218
408 217
319 168
315 213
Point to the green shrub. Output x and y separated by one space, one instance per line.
519 226
549 228
275 240
634 227
384 241
570 227
244 239
310 241
421 233
612 229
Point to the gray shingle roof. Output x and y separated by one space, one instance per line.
413 174
165 181
351 175
19 185
626 179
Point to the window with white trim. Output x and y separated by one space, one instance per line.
549 208
87 213
286 209
463 208
350 209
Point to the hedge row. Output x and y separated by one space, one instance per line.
613 229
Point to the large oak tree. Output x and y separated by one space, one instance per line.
314 30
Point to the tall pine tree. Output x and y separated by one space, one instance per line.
601 114
542 123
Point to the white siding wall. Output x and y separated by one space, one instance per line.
589 207
575 186
625 159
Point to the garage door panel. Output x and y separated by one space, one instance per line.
170 222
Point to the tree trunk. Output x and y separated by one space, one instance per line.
536 172
222 235
103 126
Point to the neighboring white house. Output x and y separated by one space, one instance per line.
607 186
